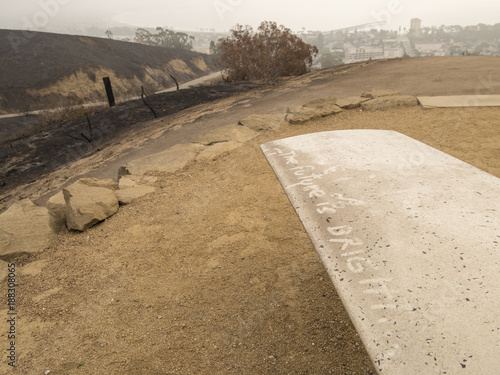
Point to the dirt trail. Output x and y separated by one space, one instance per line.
213 272
417 76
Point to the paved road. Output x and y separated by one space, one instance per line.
211 77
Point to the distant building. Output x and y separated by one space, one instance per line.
415 26
430 48
362 53
393 49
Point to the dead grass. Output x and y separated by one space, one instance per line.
60 115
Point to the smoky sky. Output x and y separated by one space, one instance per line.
223 14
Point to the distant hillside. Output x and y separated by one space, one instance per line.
45 70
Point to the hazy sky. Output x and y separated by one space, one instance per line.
223 14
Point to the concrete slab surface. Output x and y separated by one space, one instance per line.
170 160
410 238
459 101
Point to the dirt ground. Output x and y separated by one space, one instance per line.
212 273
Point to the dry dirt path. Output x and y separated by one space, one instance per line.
417 76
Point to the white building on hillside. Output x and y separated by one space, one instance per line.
393 49
430 48
362 53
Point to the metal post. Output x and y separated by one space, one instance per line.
109 91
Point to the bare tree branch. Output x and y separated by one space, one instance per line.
146 103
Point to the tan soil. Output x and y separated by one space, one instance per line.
213 273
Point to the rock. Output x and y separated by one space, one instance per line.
325 106
57 204
390 101
298 115
128 181
228 133
94 182
379 93
88 205
57 209
351 102
169 160
211 152
25 228
263 122
128 195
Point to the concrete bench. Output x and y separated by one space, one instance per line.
410 237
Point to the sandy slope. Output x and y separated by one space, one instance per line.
41 70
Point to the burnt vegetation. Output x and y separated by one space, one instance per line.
91 130
271 52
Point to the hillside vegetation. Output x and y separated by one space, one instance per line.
45 70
